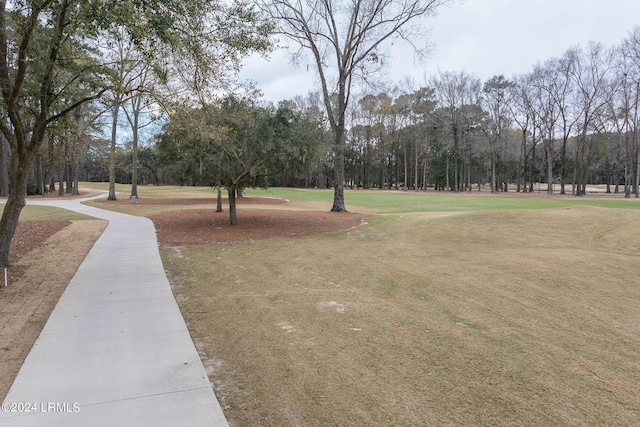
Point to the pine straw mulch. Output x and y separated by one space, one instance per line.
30 235
205 226
256 222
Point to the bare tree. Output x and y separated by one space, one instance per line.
345 39
631 47
139 114
454 91
497 99
620 108
590 75
561 89
125 60
523 114
546 113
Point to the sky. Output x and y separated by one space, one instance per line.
482 37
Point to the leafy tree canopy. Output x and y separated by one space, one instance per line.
236 143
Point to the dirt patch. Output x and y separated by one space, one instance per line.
203 226
28 236
45 256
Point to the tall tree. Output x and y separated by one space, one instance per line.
590 75
546 114
422 106
124 65
378 116
37 41
45 59
632 46
561 90
345 39
497 99
454 91
522 112
238 144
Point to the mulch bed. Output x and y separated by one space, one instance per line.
29 235
205 226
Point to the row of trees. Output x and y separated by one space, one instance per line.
570 120
63 63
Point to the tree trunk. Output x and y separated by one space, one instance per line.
456 178
635 144
522 165
447 174
338 181
397 180
636 141
67 164
76 179
233 218
112 154
533 160
406 167
550 168
367 160
424 176
12 208
469 172
219 200
134 162
563 172
627 181
61 164
75 164
494 178
51 156
39 175
4 167
415 169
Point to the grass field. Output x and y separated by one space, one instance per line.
443 310
49 213
392 201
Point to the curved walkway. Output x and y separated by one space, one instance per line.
116 350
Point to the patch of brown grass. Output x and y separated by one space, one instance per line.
28 236
488 318
47 255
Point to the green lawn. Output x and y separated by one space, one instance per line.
397 202
394 201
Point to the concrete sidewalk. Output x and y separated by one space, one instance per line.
116 350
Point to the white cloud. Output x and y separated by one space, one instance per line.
487 37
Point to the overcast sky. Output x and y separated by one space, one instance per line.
485 37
